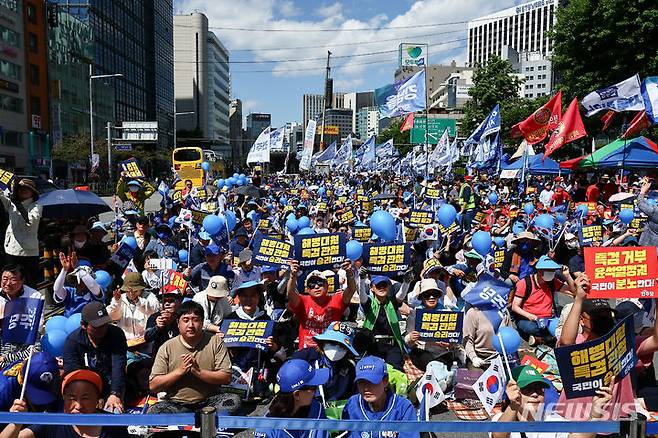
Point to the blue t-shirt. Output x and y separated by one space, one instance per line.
316 411
397 408
340 385
74 302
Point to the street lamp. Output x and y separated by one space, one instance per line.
91 103
179 114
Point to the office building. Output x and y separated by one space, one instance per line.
132 39
452 93
337 125
235 131
356 101
524 28
13 88
437 75
535 69
314 103
367 122
202 84
256 123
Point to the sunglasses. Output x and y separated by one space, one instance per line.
169 299
315 283
432 294
532 389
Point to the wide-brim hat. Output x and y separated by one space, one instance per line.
29 184
525 235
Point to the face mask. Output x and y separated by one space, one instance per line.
79 244
334 352
548 275
525 247
133 189
572 244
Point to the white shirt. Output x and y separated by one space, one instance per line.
132 317
551 417
546 196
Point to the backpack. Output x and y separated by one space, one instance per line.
528 291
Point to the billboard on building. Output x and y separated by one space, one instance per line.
411 54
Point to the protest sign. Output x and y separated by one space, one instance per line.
6 179
590 234
131 169
320 251
490 296
588 366
271 251
622 272
123 255
410 234
321 206
447 231
161 264
201 194
480 217
420 217
348 216
439 326
362 198
386 258
431 193
638 223
537 364
198 216
591 207
499 258
176 282
21 319
362 234
176 197
253 334
263 224
367 206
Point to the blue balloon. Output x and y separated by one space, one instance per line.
626 216
292 225
304 222
182 255
561 218
383 224
518 227
242 181
53 342
511 340
283 201
447 215
242 175
481 242
212 224
322 191
233 181
545 221
499 241
56 323
493 198
231 219
104 279
236 175
291 216
582 209
529 208
552 325
130 241
354 250
220 183
205 166
305 231
650 201
72 323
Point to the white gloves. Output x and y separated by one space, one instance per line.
477 362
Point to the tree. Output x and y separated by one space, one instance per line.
599 43
493 82
400 139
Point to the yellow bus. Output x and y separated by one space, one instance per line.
187 164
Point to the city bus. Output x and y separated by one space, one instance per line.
187 165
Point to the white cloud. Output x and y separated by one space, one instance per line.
328 11
288 9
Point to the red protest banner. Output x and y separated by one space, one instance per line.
622 272
176 281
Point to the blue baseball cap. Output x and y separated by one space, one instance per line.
333 334
268 268
297 373
376 279
249 284
134 182
203 235
42 379
212 249
371 368
546 263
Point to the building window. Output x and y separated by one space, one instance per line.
32 13
10 69
10 37
12 5
13 139
32 42
34 74
35 105
10 103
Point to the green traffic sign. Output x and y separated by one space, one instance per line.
435 128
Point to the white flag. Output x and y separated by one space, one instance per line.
260 150
309 140
429 386
622 96
490 387
344 154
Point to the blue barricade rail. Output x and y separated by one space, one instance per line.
306 424
652 428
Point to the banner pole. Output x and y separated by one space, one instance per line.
27 371
502 346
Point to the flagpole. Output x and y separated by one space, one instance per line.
26 373
502 346
427 118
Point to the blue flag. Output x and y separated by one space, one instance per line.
327 154
490 296
366 154
402 97
22 317
488 126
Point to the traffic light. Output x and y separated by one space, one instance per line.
53 18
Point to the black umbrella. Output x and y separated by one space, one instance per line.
384 196
251 190
69 203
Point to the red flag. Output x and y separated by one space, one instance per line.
607 119
639 122
408 123
536 127
569 129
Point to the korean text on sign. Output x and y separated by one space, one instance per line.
421 217
21 320
591 234
320 251
439 326
6 179
347 217
270 251
591 365
176 282
499 258
387 259
131 168
622 272
432 193
252 334
362 234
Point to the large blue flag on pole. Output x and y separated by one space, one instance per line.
402 97
22 317
328 154
490 296
489 125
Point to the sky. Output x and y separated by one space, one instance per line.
278 48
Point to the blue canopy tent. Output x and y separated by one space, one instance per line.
535 166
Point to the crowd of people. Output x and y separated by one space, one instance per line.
147 330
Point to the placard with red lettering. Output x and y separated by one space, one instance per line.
622 272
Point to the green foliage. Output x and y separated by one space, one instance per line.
599 43
400 139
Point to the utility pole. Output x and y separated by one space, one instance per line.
328 97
